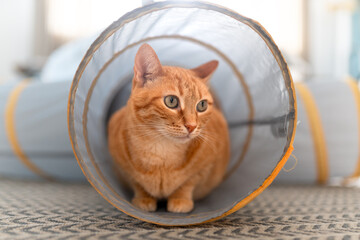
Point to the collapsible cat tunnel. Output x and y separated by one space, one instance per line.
34 141
253 86
328 134
185 34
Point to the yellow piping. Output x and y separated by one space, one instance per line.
10 129
317 132
355 90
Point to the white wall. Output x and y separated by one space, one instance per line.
71 19
16 34
329 39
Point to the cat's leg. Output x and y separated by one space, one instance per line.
143 200
181 201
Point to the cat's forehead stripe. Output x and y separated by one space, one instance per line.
180 89
199 92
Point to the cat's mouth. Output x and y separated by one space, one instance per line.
180 137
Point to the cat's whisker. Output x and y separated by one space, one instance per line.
206 141
209 141
148 134
182 117
142 127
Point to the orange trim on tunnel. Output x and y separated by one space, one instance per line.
317 132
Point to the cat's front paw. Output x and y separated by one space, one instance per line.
180 205
145 203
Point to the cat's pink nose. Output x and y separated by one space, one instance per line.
190 127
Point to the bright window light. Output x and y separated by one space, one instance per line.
70 19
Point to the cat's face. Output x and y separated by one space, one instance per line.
170 101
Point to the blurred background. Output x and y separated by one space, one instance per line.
319 39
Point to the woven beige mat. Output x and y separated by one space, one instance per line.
43 210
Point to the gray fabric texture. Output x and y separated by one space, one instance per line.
53 210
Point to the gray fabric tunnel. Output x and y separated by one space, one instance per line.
252 83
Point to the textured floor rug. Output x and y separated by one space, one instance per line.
42 210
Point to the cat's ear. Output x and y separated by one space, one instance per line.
147 66
206 70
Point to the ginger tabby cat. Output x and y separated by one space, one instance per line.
169 141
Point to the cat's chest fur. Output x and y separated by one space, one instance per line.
158 161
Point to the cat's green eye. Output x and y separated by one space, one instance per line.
202 106
171 101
